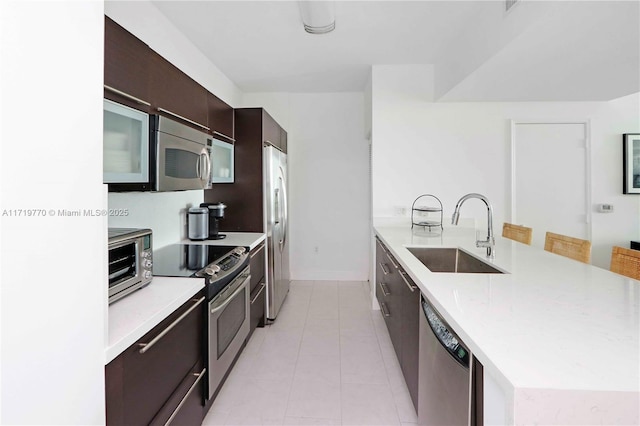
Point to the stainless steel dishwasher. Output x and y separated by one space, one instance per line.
444 388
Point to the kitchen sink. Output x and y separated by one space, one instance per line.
452 260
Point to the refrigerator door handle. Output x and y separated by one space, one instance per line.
285 216
276 206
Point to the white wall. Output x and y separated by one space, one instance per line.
165 213
609 123
450 149
53 299
328 182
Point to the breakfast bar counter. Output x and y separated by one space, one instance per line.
559 339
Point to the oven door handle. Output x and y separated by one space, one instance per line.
230 298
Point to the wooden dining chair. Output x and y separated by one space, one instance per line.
573 248
518 233
625 262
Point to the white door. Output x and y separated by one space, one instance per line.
550 179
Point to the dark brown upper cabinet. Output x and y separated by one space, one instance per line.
126 67
140 78
283 140
175 94
272 132
220 118
270 129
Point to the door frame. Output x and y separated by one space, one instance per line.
587 177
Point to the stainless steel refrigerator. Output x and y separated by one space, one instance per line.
277 221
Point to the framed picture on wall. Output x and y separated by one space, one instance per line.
631 163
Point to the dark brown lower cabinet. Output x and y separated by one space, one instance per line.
159 378
257 307
411 340
477 393
185 405
258 290
399 300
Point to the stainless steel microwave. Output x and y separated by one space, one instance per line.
182 155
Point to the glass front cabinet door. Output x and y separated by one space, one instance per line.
125 146
221 162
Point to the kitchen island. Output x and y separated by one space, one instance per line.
559 339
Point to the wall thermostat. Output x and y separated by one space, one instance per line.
605 208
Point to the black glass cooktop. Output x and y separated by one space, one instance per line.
184 260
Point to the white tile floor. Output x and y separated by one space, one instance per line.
327 360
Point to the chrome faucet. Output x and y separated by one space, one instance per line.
490 242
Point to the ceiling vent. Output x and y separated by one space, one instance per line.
509 4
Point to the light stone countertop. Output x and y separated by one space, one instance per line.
553 332
133 316
242 239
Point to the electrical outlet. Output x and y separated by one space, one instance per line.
315 249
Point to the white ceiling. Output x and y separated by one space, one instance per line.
262 46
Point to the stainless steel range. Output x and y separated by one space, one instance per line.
226 270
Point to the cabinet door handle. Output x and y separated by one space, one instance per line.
395 265
126 95
166 111
215 132
144 347
385 270
384 309
256 250
384 288
412 287
199 376
262 286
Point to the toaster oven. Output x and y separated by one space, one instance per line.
130 261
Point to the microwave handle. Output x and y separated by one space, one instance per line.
204 161
207 173
199 167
